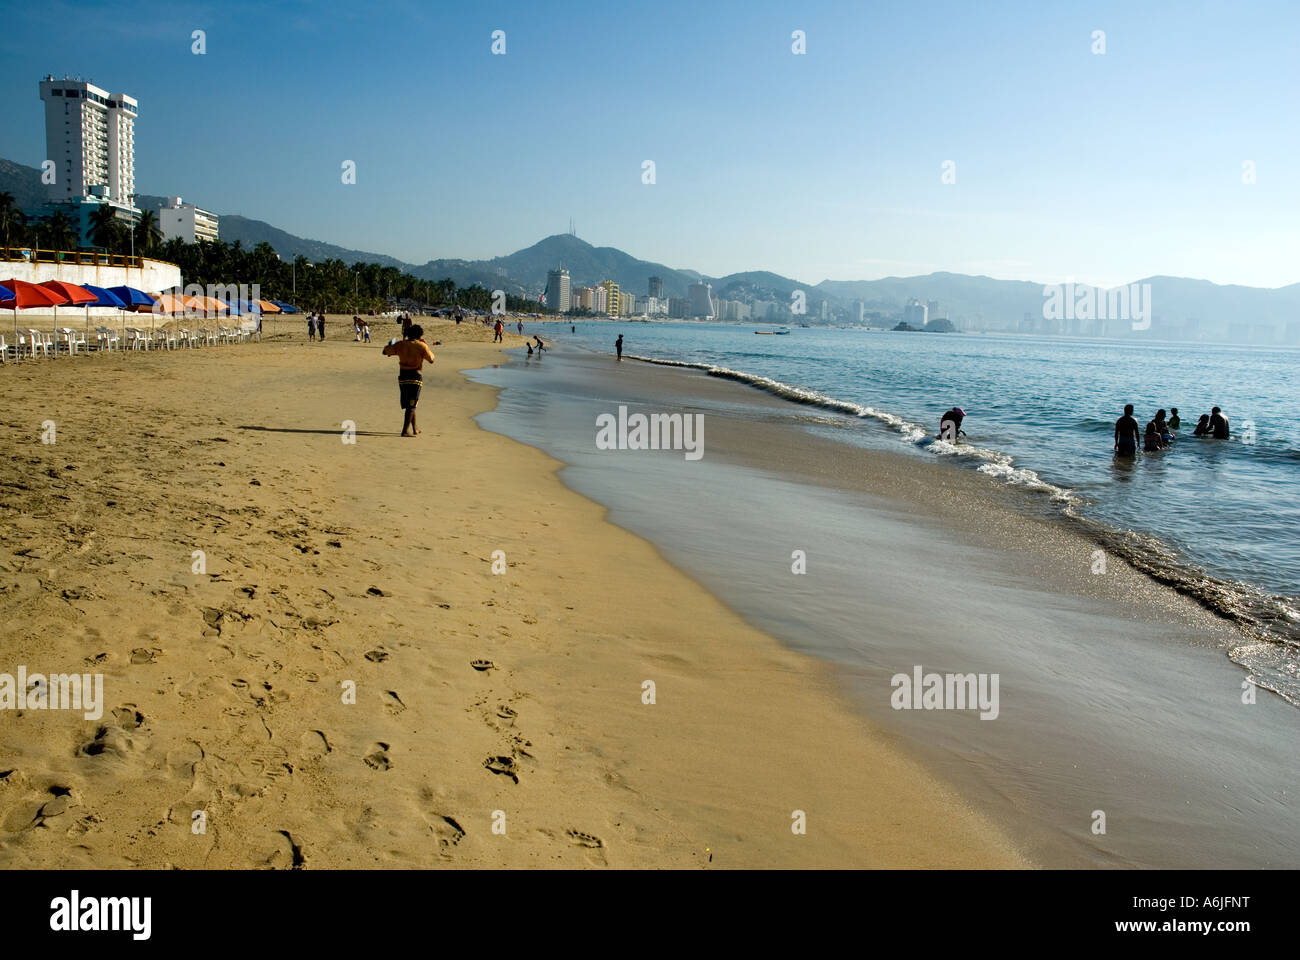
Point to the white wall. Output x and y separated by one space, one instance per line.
152 277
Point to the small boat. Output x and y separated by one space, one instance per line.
771 333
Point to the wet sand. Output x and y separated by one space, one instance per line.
1117 693
498 719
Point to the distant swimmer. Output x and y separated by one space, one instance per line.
1126 433
950 425
1174 421
1218 425
618 346
1202 426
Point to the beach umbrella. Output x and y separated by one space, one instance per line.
268 306
27 296
75 296
103 298
6 293
134 300
285 307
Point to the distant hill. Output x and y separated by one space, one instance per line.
1195 308
1181 307
587 265
23 182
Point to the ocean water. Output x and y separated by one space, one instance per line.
1215 519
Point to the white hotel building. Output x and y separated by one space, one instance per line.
90 137
186 221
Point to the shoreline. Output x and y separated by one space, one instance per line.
1024 602
371 563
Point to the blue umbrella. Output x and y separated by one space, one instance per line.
107 298
285 307
131 297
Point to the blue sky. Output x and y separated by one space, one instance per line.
1069 165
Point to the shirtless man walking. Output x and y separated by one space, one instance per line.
411 354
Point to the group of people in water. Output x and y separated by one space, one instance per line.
1160 431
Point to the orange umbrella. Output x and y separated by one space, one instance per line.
267 306
27 296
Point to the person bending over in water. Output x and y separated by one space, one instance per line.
1218 425
1174 421
540 346
1126 433
411 354
1202 426
950 425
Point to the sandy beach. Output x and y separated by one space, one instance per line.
499 719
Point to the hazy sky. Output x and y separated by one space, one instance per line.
1068 164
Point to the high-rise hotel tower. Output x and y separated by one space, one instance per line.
90 136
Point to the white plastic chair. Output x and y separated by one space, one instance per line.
72 339
4 350
166 339
108 338
38 342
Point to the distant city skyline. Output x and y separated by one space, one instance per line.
1170 153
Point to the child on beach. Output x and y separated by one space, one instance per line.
411 354
311 327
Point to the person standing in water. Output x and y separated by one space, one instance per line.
1218 425
618 346
1202 426
1174 421
1126 433
411 355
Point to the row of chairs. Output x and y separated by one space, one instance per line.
36 343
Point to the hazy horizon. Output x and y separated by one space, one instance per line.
1070 165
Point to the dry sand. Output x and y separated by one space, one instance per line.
330 563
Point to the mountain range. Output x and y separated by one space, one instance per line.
1181 307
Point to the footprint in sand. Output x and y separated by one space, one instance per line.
376 592
505 712
482 664
183 761
145 655
110 741
377 758
393 703
447 830
314 744
377 656
584 839
504 766
128 717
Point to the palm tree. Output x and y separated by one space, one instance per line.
102 233
10 218
58 232
147 232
